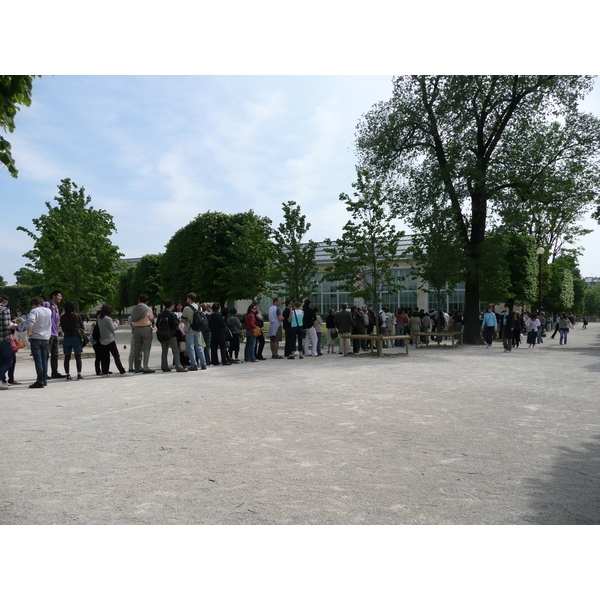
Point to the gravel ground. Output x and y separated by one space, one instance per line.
445 435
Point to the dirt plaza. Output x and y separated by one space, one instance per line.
444 435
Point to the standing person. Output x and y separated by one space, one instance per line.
6 329
142 319
372 323
414 324
401 322
508 327
357 328
70 323
39 330
541 328
167 326
296 320
518 327
191 318
250 326
97 348
108 341
235 327
584 321
21 322
178 310
53 345
260 340
275 332
319 329
206 311
563 327
425 325
488 326
331 331
344 324
217 325
532 324
287 311
309 316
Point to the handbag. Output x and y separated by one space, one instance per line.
20 344
257 331
83 336
334 334
14 346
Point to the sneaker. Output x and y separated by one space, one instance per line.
195 368
37 384
290 358
184 370
57 376
148 371
124 374
3 386
166 370
79 377
202 368
68 377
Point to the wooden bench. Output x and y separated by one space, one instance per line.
442 334
374 338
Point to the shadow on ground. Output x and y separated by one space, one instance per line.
570 494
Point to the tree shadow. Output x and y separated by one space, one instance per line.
570 494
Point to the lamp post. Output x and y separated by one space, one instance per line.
540 251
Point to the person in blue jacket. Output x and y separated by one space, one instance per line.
488 326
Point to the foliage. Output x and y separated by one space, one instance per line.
72 248
363 258
25 276
124 297
146 280
509 268
592 301
466 135
219 257
15 90
20 296
2 281
293 267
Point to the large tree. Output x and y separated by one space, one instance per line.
146 280
365 256
72 248
15 90
294 266
466 134
220 257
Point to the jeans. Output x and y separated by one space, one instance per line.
6 357
563 335
399 331
207 335
194 348
39 350
249 350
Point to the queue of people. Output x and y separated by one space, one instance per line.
200 335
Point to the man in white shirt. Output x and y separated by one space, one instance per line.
275 328
39 330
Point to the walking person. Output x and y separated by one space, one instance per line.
532 325
508 327
488 326
71 323
563 328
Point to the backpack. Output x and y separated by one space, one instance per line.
199 322
163 329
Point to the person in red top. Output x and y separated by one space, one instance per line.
401 322
250 324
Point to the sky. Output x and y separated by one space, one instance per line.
155 151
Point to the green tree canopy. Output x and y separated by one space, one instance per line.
365 255
25 276
15 90
592 301
72 248
2 281
219 257
146 280
466 134
293 267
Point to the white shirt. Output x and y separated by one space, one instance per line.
40 322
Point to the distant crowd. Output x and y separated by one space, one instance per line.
200 335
